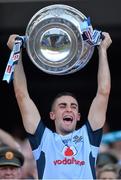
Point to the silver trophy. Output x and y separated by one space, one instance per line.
54 40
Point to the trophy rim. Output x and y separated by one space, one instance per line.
75 61
50 7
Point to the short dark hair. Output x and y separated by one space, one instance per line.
63 94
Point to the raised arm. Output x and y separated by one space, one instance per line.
97 112
8 139
29 112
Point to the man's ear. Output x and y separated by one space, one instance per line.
79 117
52 115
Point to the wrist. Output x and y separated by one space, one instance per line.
102 50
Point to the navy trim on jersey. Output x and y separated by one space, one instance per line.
94 136
92 164
41 163
39 132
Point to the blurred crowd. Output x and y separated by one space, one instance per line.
109 159
16 159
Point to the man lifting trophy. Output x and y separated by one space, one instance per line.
60 40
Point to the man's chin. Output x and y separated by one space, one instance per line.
68 130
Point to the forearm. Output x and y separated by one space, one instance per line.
20 83
29 112
104 80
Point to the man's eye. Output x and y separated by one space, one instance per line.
74 107
62 106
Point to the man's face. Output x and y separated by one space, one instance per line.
10 172
65 114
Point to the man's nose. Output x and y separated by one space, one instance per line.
68 108
8 171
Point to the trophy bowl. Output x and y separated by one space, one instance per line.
54 40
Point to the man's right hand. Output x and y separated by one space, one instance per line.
11 40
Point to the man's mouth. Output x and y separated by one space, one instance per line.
67 118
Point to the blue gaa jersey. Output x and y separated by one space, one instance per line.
72 156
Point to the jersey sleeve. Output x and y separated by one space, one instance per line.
36 138
94 136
